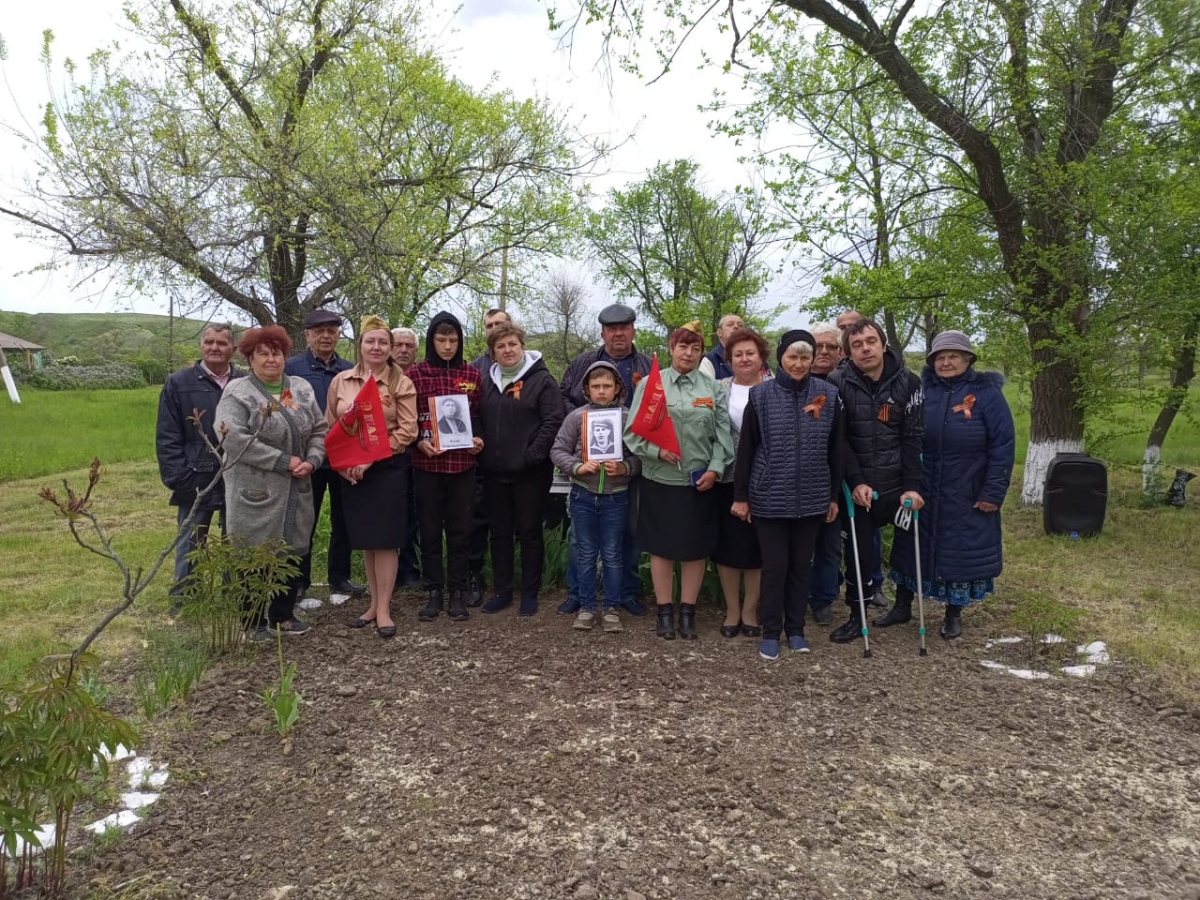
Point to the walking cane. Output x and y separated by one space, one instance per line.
915 515
862 602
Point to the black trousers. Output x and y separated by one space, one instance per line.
280 606
445 503
882 512
479 529
410 564
338 563
516 506
787 552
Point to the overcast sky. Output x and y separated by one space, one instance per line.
503 39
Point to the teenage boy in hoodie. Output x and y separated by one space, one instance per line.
445 480
599 500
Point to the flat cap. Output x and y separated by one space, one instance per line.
617 314
319 317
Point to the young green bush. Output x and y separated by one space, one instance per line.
229 587
113 376
52 732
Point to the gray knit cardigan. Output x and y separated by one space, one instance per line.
263 502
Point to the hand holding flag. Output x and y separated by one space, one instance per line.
360 434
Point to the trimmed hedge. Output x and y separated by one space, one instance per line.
113 376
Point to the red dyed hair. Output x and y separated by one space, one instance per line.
273 336
684 335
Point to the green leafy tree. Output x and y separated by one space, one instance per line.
679 253
1019 96
276 156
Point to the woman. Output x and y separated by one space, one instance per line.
376 494
274 437
789 471
676 504
966 467
737 556
521 410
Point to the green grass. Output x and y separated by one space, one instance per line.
105 335
56 431
54 591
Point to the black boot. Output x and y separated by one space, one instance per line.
687 621
1176 494
458 607
474 589
666 621
849 630
433 606
952 627
901 611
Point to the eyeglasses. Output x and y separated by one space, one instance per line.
831 348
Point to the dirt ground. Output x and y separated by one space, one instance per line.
515 758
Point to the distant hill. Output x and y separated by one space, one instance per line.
94 337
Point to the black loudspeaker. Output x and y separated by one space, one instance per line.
1076 495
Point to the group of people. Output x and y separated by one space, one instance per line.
765 464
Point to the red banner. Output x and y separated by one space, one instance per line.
652 419
360 434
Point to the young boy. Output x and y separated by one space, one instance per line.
599 501
445 479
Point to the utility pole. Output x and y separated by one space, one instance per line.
504 277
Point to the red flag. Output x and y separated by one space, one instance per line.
360 434
652 419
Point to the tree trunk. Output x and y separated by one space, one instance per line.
1056 415
1182 373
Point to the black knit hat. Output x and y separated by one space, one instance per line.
789 338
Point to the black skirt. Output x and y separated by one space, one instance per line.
676 521
375 508
737 541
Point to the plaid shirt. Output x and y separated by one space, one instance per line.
436 381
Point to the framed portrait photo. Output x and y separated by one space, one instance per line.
601 437
450 415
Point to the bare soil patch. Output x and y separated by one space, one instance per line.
515 758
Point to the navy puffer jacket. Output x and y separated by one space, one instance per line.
968 456
791 448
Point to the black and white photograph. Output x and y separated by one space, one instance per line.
602 434
452 422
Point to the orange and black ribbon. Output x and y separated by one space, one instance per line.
965 406
885 412
816 406
703 401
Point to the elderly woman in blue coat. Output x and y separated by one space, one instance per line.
967 466
787 476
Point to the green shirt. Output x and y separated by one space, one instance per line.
700 413
509 373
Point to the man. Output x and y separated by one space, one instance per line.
404 354
714 361
601 440
318 365
450 420
885 428
404 348
185 462
491 318
616 332
827 556
877 598
479 526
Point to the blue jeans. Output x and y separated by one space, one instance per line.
599 524
192 539
827 565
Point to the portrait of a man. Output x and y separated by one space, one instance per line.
450 417
602 441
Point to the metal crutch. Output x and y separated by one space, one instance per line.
862 602
914 515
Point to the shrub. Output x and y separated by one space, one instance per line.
230 586
155 371
113 376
